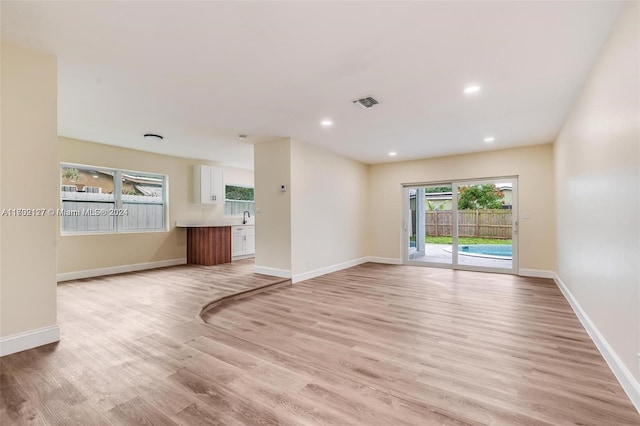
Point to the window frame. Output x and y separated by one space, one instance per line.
118 202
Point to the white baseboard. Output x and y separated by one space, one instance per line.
29 340
387 260
326 270
274 272
243 256
536 273
619 369
67 276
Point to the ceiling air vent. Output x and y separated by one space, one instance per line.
367 102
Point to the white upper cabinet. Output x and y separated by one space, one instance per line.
208 185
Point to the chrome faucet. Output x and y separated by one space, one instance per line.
244 218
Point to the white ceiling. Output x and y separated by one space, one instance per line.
200 73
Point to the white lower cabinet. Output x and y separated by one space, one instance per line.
250 240
243 241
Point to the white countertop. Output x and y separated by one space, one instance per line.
209 223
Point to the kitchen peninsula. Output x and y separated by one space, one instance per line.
214 242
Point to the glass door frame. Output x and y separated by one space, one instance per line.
455 185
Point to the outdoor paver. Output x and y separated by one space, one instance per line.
436 253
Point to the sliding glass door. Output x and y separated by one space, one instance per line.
486 223
429 224
462 225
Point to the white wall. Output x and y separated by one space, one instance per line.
533 165
272 168
319 224
28 169
597 164
328 210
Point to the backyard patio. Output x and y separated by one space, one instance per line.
441 253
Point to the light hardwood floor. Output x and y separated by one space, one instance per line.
374 344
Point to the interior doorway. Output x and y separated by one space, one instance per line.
470 224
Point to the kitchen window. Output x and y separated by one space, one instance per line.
238 199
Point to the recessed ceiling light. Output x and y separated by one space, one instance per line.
489 139
243 137
392 154
153 136
471 89
326 123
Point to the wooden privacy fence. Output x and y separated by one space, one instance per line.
82 218
471 223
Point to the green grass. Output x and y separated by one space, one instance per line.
465 240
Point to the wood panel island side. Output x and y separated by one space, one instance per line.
208 243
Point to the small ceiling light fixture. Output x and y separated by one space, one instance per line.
242 137
153 136
326 123
489 139
472 89
392 153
